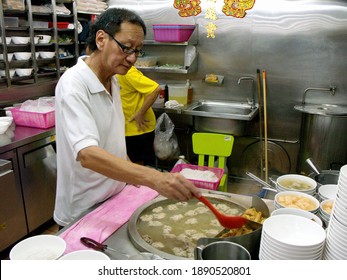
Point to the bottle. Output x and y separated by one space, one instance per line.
190 91
166 94
181 160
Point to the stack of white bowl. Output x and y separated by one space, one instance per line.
323 213
327 192
292 199
294 181
291 237
336 245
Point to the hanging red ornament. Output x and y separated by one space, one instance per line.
237 8
187 8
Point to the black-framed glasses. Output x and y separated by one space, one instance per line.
127 50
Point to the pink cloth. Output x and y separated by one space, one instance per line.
107 218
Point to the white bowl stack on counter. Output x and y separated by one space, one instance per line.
292 199
327 192
291 237
336 245
325 209
295 182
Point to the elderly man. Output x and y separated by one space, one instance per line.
91 152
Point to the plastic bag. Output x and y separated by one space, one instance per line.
165 140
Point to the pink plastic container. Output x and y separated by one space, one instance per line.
33 119
172 32
198 183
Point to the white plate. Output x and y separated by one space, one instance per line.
39 247
85 255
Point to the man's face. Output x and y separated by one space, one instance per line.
114 58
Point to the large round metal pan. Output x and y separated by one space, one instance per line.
143 246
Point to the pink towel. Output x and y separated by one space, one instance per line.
108 217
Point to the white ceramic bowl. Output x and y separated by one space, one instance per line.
47 54
295 182
85 255
44 39
22 55
3 73
297 212
9 56
327 191
326 207
21 72
8 40
20 40
299 200
36 39
39 247
5 123
294 230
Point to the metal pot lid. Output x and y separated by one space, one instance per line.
323 109
278 159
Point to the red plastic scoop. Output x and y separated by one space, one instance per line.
229 221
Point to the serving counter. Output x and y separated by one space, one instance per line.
125 239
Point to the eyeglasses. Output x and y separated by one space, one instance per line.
127 50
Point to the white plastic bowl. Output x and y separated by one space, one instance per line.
3 73
36 39
22 55
39 247
326 204
294 182
327 191
44 39
20 40
5 123
47 54
8 40
299 200
85 255
297 212
294 230
21 72
9 56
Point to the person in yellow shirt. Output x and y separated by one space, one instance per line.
138 93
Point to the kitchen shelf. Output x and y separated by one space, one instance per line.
164 51
29 17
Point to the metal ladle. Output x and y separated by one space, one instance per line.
266 186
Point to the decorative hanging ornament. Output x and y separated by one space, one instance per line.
211 15
187 8
237 8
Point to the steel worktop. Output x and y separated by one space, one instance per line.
17 136
121 241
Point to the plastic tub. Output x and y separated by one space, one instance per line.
178 93
33 119
200 183
172 32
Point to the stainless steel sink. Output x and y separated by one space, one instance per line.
221 116
222 109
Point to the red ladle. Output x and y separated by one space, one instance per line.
229 221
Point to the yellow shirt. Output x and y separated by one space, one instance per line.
134 88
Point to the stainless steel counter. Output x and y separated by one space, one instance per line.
121 242
17 136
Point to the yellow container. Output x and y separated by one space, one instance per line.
178 93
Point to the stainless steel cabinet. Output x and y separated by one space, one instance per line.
27 189
12 215
37 165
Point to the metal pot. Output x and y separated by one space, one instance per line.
323 177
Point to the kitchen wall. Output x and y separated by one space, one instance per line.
300 43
